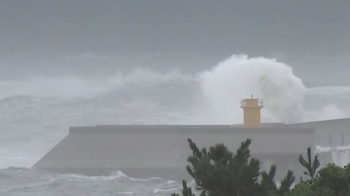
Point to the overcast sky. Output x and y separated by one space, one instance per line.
112 26
47 28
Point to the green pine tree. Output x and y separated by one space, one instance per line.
219 172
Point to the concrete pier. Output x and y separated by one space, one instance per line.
145 151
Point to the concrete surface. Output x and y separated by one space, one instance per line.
145 151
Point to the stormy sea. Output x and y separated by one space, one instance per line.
35 114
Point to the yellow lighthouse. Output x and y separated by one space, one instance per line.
251 108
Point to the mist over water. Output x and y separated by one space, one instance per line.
37 112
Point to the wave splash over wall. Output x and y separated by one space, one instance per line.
37 112
239 77
151 97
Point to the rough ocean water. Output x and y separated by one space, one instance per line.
36 114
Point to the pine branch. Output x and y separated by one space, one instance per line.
286 183
311 166
272 172
194 148
267 180
186 191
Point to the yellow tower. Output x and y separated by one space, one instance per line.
251 108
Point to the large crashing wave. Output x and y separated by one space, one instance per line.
211 97
239 77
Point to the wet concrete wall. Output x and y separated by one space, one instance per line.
145 151
329 132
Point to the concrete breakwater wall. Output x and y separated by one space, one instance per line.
329 133
145 151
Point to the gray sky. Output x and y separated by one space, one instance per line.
112 26
44 29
